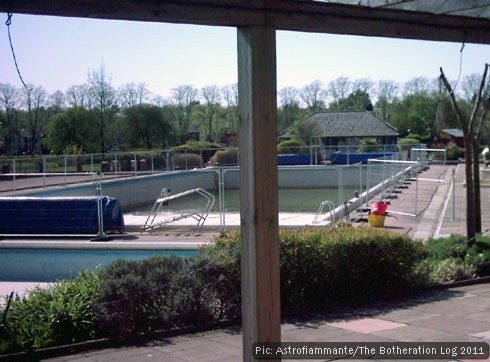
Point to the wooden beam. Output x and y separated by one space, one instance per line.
261 319
294 15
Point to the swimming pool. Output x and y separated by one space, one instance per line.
290 200
51 264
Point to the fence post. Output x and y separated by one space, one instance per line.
15 171
44 171
101 235
454 195
65 160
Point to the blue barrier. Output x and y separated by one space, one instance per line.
293 159
344 158
58 215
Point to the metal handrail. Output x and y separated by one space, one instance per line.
331 207
200 217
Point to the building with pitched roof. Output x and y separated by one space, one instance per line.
345 130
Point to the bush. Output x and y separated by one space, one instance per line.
58 315
406 144
343 264
188 160
456 248
453 152
203 148
290 146
228 157
157 293
369 145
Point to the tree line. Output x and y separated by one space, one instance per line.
96 117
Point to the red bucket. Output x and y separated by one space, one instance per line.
378 208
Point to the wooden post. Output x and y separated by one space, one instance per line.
258 187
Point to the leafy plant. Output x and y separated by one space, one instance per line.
58 315
228 157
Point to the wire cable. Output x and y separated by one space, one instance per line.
8 23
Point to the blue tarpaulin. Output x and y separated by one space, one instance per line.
59 215
345 158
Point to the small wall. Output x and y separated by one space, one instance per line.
140 190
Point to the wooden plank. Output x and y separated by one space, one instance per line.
294 15
258 187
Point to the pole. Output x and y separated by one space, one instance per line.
101 235
453 181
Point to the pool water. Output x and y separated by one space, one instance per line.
290 200
46 265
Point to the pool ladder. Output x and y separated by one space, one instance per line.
201 216
331 207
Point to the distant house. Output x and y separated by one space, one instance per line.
452 134
345 130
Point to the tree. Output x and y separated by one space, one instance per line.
9 97
79 96
71 129
386 92
339 89
417 85
184 97
357 101
289 111
230 95
132 94
308 131
57 101
364 84
314 95
145 125
104 97
212 98
35 98
471 127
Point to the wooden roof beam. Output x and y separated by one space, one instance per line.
294 15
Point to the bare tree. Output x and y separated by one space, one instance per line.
314 95
9 98
57 100
230 95
469 87
184 96
364 84
212 98
417 85
79 96
132 94
339 89
387 89
35 99
104 97
472 130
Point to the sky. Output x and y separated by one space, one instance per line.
56 53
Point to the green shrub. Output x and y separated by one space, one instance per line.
188 161
289 146
406 144
455 247
205 149
342 264
61 314
453 152
369 145
222 273
137 296
228 157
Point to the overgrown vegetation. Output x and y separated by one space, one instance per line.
319 267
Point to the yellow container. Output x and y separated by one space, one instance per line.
376 220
